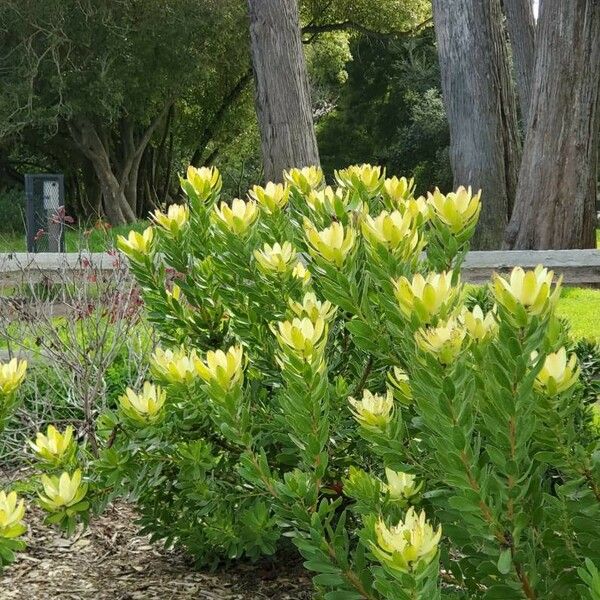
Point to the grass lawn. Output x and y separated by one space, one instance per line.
94 239
581 307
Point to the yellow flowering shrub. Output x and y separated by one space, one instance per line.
323 376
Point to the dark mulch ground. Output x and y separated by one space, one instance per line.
109 560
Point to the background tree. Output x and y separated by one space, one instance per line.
555 203
106 86
283 104
389 110
521 29
481 107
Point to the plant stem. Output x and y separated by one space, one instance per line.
363 379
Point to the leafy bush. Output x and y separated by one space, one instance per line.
320 378
12 211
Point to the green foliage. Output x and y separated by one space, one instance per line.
12 211
390 109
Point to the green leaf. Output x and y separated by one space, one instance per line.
505 561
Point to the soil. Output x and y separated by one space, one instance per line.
110 560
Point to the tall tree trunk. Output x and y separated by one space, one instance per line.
282 91
481 108
521 31
557 181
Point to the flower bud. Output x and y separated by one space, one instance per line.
276 258
239 216
374 410
54 447
398 191
480 328
205 181
394 231
333 244
305 179
528 291
144 407
174 220
418 208
312 308
557 375
302 273
361 177
426 297
137 245
62 492
12 375
302 336
401 486
272 198
12 511
444 341
327 202
409 545
458 211
174 366
225 370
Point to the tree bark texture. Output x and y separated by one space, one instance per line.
282 94
557 181
521 31
117 176
481 106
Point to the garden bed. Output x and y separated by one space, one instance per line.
109 560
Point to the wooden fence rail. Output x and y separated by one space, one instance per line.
578 267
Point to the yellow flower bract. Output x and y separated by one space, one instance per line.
312 308
557 374
480 327
361 177
458 210
530 290
136 245
401 486
12 511
398 190
145 406
394 230
12 375
333 244
225 369
373 410
411 543
444 341
205 181
302 336
276 258
426 297
174 366
238 217
174 220
54 446
272 198
62 492
305 179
